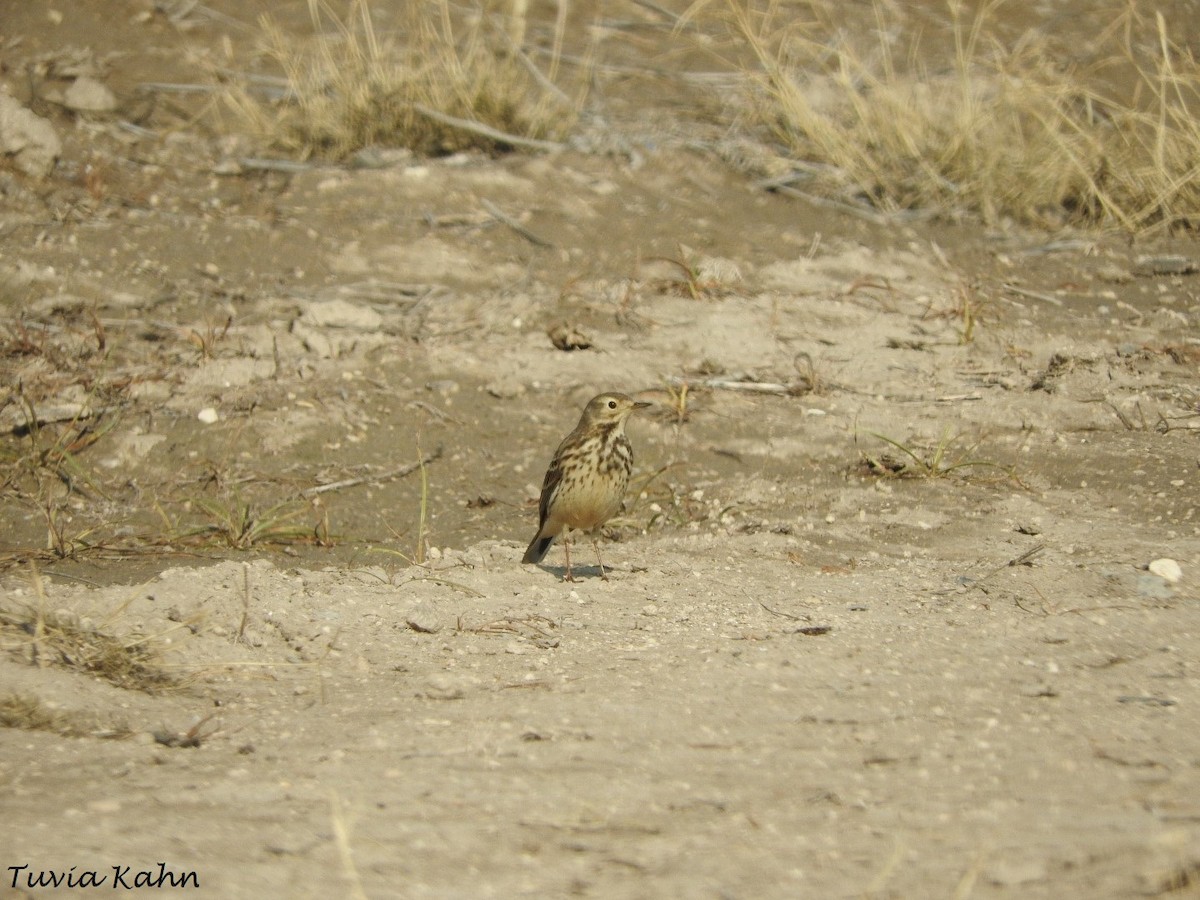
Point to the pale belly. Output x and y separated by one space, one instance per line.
590 503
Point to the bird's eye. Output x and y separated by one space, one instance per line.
612 404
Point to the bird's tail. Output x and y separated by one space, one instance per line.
537 548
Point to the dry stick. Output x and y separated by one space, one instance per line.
486 130
655 8
512 223
545 83
784 615
341 832
726 384
164 87
241 632
370 479
1024 559
1034 295
274 165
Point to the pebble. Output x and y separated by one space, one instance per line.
340 314
420 617
89 95
30 140
1165 265
445 686
1166 569
208 415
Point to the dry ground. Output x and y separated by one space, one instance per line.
811 674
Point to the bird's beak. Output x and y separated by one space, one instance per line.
641 404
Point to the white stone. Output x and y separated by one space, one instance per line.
28 138
340 314
1166 569
89 95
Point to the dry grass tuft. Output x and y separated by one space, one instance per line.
62 639
949 456
29 713
1005 132
448 83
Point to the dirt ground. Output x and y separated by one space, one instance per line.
810 674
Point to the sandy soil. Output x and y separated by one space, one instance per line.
808 675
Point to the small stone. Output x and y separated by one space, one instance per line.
1165 265
28 138
89 95
1114 274
422 619
1016 872
565 336
1166 569
445 687
228 167
340 314
208 415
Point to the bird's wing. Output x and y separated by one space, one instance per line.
553 477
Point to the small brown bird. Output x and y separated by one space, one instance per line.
586 481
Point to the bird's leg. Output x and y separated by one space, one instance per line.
599 559
567 551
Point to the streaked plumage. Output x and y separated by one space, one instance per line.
586 481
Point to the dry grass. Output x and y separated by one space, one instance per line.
1003 132
350 87
66 401
235 523
62 640
29 713
951 455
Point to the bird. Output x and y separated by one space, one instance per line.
586 481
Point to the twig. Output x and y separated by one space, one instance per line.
163 87
216 16
274 165
371 479
728 384
1023 560
784 615
1035 295
655 8
341 833
512 223
487 131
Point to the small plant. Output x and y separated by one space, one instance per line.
53 451
206 341
700 279
945 458
677 409
236 524
967 310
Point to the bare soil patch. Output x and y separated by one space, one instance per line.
888 614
